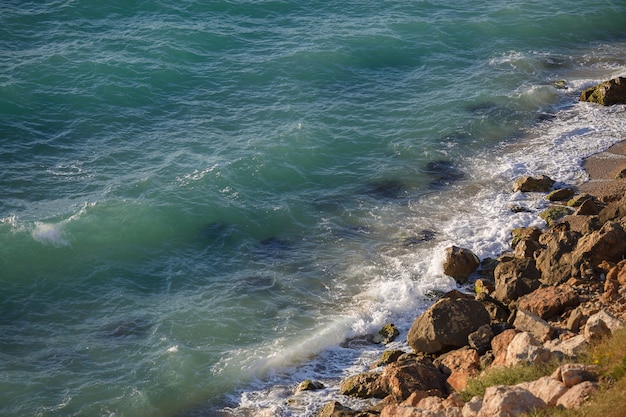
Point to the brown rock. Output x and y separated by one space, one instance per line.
460 263
521 233
446 325
515 278
508 401
615 210
553 261
609 243
527 248
404 377
606 93
542 183
561 194
577 395
497 310
481 339
549 301
618 273
364 385
484 285
588 208
336 409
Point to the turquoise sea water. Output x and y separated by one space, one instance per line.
204 203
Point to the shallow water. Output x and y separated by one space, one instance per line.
201 203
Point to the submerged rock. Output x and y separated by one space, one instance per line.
389 188
387 334
443 174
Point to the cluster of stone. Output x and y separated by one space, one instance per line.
559 290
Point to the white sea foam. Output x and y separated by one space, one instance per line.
476 214
49 233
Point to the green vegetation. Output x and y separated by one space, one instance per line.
506 376
609 401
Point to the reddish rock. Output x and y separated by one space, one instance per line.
508 401
406 376
499 345
464 358
549 301
618 273
446 325
460 263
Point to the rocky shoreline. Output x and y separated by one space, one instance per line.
559 291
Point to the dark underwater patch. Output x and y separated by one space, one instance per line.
443 173
421 237
126 328
388 188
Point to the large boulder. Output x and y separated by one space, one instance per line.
364 385
514 278
606 93
547 302
396 410
460 263
546 388
577 395
613 211
525 348
542 183
608 243
411 374
446 325
553 261
509 401
529 322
